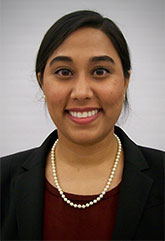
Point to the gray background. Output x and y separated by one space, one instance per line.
24 121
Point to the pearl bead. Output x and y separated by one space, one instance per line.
111 177
114 169
105 188
109 182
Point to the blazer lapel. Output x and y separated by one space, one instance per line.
135 188
29 203
29 193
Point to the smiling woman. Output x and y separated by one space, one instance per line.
88 180
84 76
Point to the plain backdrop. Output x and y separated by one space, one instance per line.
24 120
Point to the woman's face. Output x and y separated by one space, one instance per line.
84 86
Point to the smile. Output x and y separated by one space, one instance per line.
84 114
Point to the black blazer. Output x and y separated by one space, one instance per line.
140 212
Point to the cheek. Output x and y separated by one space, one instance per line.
55 94
112 93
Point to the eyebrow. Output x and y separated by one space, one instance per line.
92 59
102 58
61 58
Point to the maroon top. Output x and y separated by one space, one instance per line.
63 222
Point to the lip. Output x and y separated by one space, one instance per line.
86 120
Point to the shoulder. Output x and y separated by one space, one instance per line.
147 151
16 158
147 160
10 164
136 152
154 158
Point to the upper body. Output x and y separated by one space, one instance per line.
83 68
140 208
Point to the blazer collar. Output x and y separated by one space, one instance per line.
134 191
40 153
29 192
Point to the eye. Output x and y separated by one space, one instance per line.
100 72
64 72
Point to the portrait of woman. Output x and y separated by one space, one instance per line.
88 180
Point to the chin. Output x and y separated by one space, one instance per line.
86 139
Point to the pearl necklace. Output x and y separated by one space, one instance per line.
102 193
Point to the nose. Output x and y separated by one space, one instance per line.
82 89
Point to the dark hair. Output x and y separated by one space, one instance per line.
69 23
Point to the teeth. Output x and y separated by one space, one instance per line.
84 114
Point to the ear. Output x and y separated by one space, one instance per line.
127 81
39 79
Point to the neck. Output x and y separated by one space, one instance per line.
78 155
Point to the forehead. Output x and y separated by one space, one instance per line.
86 42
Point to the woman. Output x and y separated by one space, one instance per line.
88 180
